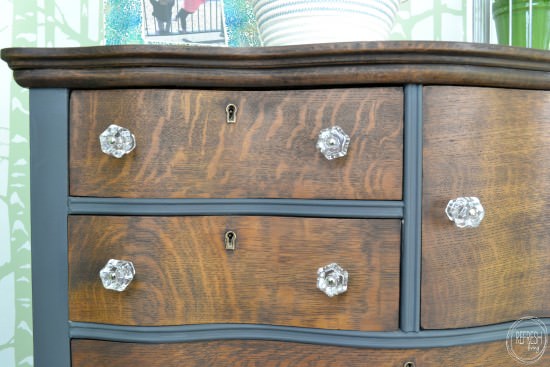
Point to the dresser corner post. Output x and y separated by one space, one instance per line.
411 251
49 118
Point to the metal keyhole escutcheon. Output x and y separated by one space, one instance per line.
231 111
230 240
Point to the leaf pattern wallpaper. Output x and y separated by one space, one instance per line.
60 23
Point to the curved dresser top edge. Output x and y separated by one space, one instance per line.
359 63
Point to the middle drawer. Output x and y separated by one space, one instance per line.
184 274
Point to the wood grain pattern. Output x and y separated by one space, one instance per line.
354 63
186 149
185 276
493 144
250 353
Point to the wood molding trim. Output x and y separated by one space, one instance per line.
394 62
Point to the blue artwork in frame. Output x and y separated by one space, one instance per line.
241 26
191 22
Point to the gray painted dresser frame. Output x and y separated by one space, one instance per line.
51 205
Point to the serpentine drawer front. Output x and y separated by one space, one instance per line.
357 204
186 148
184 274
241 353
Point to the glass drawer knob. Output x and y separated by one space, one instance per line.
332 279
465 212
117 274
117 141
333 142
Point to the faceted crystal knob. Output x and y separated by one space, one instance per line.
332 279
465 211
333 142
117 141
117 274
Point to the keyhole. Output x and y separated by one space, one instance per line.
231 111
409 364
230 240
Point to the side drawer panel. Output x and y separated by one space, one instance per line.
493 144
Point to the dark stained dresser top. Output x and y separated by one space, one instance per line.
340 64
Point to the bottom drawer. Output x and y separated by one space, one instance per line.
240 353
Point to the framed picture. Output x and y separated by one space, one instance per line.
183 21
188 22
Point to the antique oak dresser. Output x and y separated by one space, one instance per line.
354 204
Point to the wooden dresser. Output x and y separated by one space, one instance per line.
292 206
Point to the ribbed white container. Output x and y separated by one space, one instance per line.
292 22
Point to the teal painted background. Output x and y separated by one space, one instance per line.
59 23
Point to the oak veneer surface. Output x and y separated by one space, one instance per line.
493 144
251 353
184 275
185 148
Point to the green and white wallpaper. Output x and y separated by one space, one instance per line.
27 23
60 23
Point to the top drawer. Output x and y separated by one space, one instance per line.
186 149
